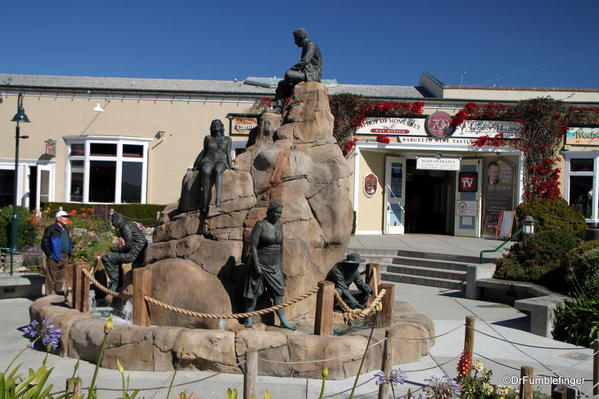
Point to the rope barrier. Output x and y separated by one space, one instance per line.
433 337
495 361
358 314
434 367
323 360
501 335
105 290
528 345
349 389
229 316
166 387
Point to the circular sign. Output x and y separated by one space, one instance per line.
370 185
439 125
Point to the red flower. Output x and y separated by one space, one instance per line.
465 363
72 213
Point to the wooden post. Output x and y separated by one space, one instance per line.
73 387
75 294
325 301
469 335
83 295
385 317
142 286
563 392
387 361
596 367
526 375
250 373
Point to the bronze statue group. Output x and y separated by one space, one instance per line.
265 259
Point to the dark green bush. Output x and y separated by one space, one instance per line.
583 274
553 214
577 321
535 258
25 230
142 213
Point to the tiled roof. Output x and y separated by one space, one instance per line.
191 86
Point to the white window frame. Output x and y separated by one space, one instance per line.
23 194
119 141
568 156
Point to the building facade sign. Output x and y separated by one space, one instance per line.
432 163
370 185
243 125
436 127
392 126
439 125
583 136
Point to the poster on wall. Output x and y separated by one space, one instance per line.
498 193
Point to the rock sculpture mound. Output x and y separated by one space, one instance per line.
294 160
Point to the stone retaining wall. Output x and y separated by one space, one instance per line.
159 348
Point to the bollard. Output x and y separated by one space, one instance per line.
469 335
142 287
526 375
250 373
385 316
83 295
73 388
563 392
76 286
325 301
596 367
387 363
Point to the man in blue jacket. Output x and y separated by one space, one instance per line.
57 245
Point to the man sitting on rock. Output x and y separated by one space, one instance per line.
309 69
132 252
343 274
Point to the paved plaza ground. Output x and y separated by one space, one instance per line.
447 309
496 324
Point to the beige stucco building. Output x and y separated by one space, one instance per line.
122 140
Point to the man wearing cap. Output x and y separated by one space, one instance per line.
346 272
57 246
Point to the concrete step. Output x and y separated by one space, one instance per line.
407 261
382 252
446 274
423 280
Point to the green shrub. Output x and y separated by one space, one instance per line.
535 258
553 214
577 321
583 276
25 229
141 213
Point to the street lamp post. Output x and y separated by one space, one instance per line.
19 117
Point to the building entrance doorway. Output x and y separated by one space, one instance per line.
430 200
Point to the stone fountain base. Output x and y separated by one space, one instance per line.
159 348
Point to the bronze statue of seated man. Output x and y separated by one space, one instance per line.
346 273
309 69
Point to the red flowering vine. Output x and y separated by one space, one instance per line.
351 110
382 138
545 122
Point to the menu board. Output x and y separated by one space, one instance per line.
498 193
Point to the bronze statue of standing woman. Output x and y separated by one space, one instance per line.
214 159
265 265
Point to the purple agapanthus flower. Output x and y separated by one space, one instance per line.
394 377
45 332
443 388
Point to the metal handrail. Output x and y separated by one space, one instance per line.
500 246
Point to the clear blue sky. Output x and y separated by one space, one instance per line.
549 43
